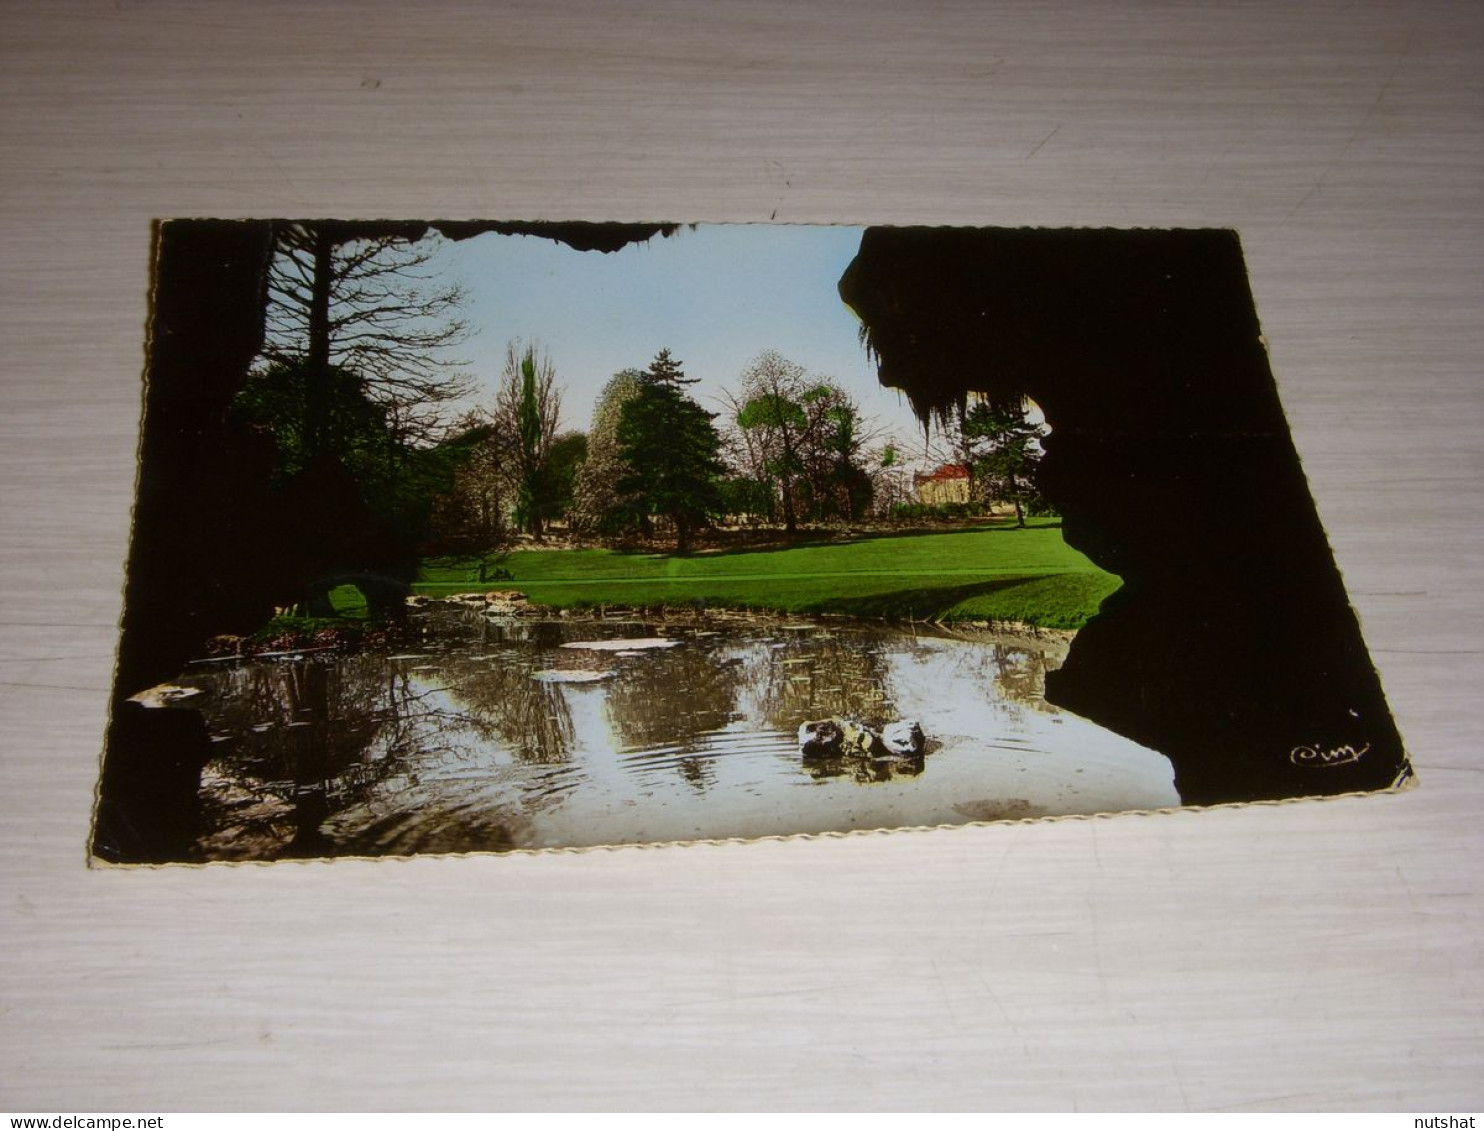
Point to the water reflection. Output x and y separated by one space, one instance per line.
299 740
674 698
1020 673
502 703
862 768
819 674
458 746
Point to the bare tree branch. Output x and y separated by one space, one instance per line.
375 307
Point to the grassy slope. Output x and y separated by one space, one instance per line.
979 573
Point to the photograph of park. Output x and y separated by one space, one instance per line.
466 536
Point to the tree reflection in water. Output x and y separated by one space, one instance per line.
844 674
1020 673
502 703
674 697
461 748
300 739
818 674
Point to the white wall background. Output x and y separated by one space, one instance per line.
1311 956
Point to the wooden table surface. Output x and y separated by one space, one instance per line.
1307 956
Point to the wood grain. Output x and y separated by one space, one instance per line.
1310 956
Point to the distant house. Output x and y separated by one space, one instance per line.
948 484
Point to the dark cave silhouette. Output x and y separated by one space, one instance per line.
1231 647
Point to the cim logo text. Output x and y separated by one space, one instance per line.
1336 756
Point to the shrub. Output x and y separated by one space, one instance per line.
914 512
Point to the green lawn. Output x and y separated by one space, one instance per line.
985 572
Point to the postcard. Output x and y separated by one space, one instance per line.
467 537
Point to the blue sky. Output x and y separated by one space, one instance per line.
715 296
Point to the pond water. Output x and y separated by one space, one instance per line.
493 735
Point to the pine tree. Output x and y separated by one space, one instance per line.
1004 446
665 370
671 451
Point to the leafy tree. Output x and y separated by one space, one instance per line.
337 300
805 436
671 452
774 425
469 515
598 507
568 454
351 377
844 486
343 421
890 481
1005 452
397 484
744 497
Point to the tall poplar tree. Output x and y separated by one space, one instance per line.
526 417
